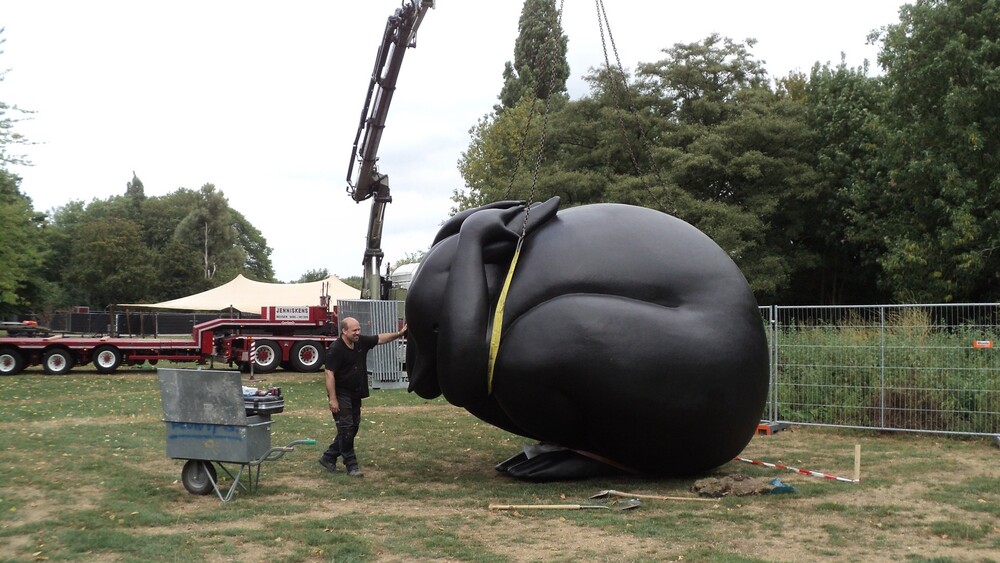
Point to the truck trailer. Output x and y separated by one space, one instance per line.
294 338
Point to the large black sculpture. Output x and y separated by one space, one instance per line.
630 340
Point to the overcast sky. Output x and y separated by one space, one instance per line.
263 99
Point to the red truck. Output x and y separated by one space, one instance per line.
295 338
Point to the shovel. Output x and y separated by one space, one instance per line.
626 505
607 493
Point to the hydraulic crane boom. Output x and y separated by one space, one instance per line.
400 34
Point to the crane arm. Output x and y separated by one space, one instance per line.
400 34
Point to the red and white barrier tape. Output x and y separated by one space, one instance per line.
802 471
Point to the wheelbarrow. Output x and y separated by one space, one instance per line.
208 424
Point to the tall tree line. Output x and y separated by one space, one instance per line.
836 186
137 249
133 248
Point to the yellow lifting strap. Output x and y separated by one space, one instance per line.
498 318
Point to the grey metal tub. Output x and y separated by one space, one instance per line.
207 425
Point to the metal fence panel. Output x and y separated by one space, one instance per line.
923 368
129 324
771 407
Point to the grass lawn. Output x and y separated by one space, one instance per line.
84 476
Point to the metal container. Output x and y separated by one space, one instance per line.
206 418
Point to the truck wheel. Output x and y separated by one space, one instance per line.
306 356
107 359
198 476
57 361
268 356
11 361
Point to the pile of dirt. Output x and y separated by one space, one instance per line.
736 485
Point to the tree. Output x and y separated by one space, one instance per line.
209 228
256 252
111 264
410 258
494 155
539 69
702 80
353 281
176 233
60 234
135 195
228 243
178 272
176 266
578 162
22 250
313 276
844 111
496 164
739 157
161 215
940 201
164 245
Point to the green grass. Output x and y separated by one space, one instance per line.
85 477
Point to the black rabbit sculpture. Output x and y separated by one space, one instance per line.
629 341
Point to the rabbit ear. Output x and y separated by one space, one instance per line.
463 344
538 214
453 224
498 249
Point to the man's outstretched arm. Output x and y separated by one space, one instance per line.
390 336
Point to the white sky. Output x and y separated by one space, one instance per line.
263 99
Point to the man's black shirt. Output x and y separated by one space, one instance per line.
349 367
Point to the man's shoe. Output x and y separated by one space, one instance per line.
355 472
330 466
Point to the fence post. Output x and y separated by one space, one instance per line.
774 362
881 315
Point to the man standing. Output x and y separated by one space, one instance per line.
346 386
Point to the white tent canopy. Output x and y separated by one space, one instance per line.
249 296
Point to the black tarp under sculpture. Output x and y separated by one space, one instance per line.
630 341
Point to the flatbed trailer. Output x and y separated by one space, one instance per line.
295 338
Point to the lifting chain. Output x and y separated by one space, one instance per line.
548 62
619 89
620 82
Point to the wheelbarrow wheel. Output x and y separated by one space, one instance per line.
198 476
